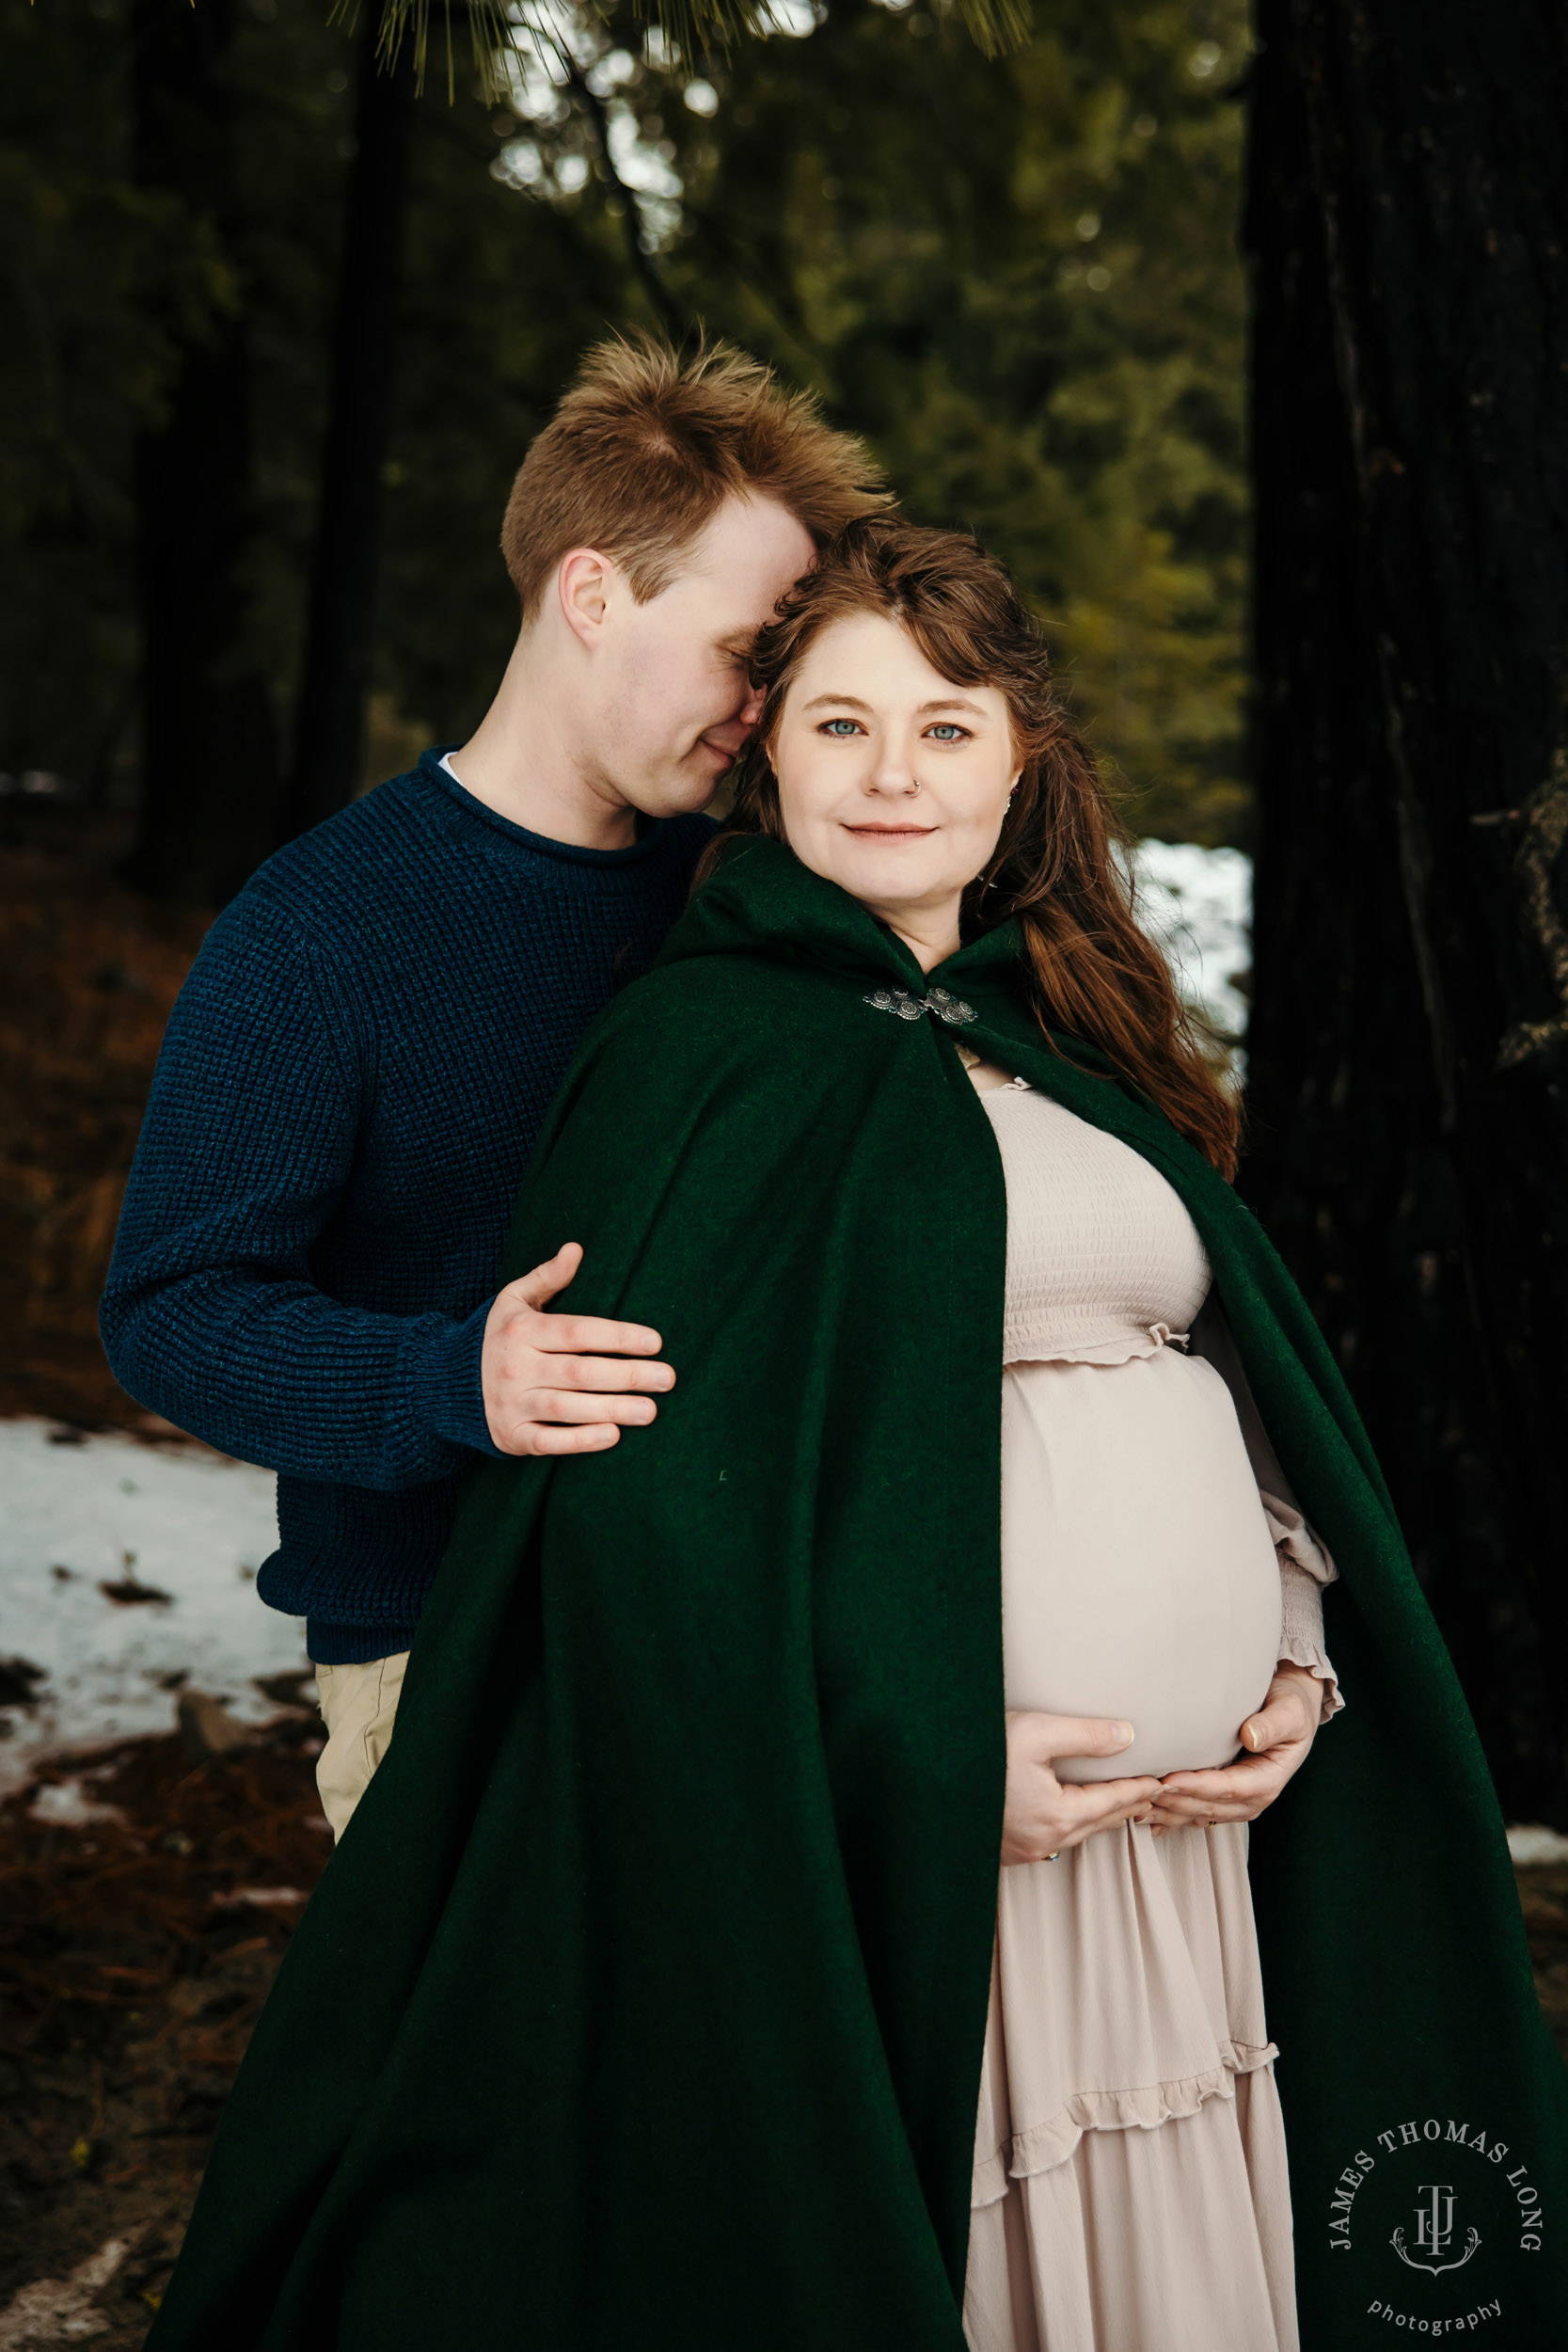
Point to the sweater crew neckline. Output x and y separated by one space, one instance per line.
430 773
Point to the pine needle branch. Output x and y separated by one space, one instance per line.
689 28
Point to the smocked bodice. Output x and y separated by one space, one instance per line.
1104 1262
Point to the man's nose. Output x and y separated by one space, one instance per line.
751 709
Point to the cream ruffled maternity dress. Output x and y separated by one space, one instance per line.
1131 2192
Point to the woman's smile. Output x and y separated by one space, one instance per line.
891 832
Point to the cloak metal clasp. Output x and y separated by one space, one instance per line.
947 1008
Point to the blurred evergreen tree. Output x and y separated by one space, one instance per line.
1408 216
339 624
100 283
209 732
1021 279
1018 277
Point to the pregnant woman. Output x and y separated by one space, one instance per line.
1131 2182
660 1994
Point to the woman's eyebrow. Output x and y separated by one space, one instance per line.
853 702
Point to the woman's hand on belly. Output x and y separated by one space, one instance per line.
1279 1735
1042 1814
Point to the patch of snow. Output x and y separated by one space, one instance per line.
61 2310
1197 903
1529 1842
111 1511
262 1895
65 1805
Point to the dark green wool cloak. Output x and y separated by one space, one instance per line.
641 2007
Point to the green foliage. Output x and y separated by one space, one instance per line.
503 291
1018 277
690 29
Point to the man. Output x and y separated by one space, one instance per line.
359 1063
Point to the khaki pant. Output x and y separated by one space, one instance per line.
359 1706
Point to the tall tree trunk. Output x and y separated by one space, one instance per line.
209 753
1408 226
330 722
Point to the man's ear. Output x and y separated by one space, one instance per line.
582 582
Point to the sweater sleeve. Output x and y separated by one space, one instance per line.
1306 1565
212 1315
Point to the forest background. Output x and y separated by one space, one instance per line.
1019 278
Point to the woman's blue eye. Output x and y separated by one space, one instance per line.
945 732
841 727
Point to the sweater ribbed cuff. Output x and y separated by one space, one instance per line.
449 1389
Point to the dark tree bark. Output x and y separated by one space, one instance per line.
209 753
1408 228
329 730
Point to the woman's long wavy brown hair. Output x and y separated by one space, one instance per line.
1095 975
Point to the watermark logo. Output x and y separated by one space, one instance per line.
1425 2198
1434 2231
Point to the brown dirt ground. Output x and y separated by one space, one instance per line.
88 971
1544 1893
133 1968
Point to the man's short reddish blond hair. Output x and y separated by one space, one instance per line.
646 446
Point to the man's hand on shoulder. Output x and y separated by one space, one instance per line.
564 1384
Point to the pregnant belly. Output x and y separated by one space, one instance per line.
1138 1576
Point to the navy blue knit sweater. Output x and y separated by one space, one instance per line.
349 1085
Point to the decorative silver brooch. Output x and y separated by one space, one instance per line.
946 1007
